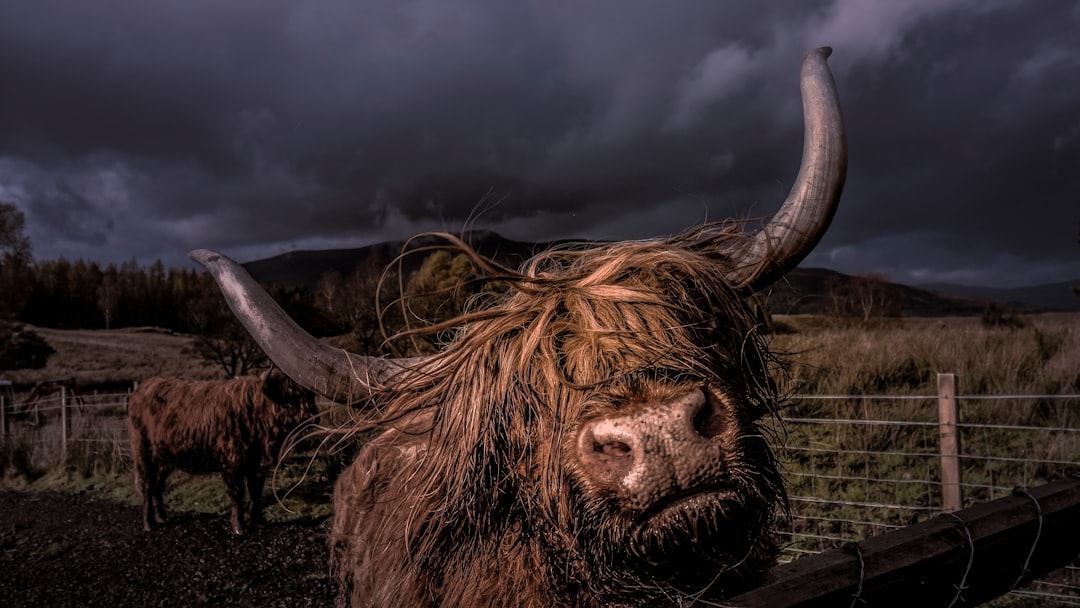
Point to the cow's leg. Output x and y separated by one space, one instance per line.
150 481
157 493
234 484
255 483
144 476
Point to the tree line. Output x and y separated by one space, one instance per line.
358 311
352 308
86 295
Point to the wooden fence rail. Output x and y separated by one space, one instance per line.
957 559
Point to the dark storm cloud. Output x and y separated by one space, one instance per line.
968 154
144 129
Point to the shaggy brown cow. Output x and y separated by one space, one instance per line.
591 439
235 427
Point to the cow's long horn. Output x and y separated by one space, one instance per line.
806 213
330 372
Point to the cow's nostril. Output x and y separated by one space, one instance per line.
606 452
612 448
709 421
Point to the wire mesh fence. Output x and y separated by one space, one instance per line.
860 465
88 432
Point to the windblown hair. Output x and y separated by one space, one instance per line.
472 496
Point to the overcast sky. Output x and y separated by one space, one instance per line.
146 128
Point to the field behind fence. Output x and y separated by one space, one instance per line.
860 465
856 465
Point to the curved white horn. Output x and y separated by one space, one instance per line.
809 208
331 372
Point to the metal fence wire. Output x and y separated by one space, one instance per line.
856 465
860 465
50 431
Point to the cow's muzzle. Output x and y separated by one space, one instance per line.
657 452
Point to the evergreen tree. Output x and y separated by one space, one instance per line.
16 273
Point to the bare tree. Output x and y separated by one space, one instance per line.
875 297
108 294
348 305
329 298
220 338
866 298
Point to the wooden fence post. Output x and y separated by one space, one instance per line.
65 421
948 417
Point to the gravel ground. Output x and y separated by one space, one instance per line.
67 550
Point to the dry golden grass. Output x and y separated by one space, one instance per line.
901 357
904 356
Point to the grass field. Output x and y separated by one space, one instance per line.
902 356
116 358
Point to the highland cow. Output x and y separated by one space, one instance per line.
235 427
594 437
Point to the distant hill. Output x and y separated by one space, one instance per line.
1050 296
801 292
303 268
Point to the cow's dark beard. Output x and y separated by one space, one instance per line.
712 545
714 541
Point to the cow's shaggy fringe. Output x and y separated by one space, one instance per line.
472 496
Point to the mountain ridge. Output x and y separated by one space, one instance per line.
802 291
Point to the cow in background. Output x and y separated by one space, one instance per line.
235 427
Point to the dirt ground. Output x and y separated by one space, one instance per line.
66 550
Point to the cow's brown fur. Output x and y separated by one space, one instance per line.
473 496
235 427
